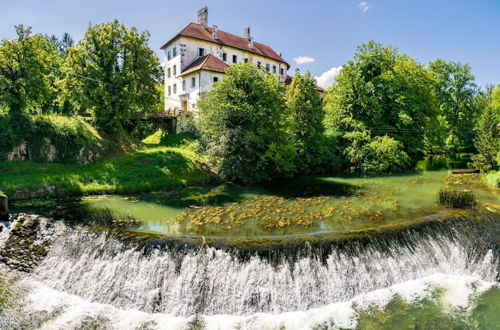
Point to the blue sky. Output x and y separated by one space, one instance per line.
326 31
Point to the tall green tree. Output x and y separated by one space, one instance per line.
25 68
113 73
487 141
455 91
380 93
243 124
306 124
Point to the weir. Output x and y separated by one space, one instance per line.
86 276
211 281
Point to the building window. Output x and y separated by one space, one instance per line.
245 60
268 67
175 89
169 90
282 71
216 79
258 64
168 73
201 51
175 70
174 52
224 57
168 55
183 85
274 68
193 82
235 59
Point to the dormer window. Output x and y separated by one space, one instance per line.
224 57
201 51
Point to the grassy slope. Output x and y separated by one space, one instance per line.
160 165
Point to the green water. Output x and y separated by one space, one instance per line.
294 207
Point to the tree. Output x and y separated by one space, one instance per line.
242 124
455 90
24 73
113 73
306 124
487 141
380 93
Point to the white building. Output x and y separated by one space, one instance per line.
197 56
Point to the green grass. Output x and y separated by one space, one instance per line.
457 199
153 168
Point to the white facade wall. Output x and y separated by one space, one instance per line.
188 51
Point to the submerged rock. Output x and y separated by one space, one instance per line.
25 239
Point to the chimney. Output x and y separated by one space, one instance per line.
246 33
203 16
250 42
215 32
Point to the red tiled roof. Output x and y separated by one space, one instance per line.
207 62
195 30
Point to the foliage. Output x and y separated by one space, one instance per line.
25 67
381 154
457 199
306 114
156 168
113 73
242 124
487 141
380 93
71 139
455 91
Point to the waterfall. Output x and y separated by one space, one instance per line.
211 281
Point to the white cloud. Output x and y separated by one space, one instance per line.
325 80
364 6
303 59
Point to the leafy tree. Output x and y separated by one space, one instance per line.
242 124
24 73
306 124
380 93
113 73
487 141
455 91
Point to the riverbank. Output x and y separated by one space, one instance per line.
153 167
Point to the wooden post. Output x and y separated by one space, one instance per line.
4 207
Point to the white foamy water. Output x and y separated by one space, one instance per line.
73 310
214 282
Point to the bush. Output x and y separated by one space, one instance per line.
7 137
53 138
457 199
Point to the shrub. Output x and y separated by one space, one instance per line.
53 138
457 199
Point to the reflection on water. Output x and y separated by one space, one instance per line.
301 206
